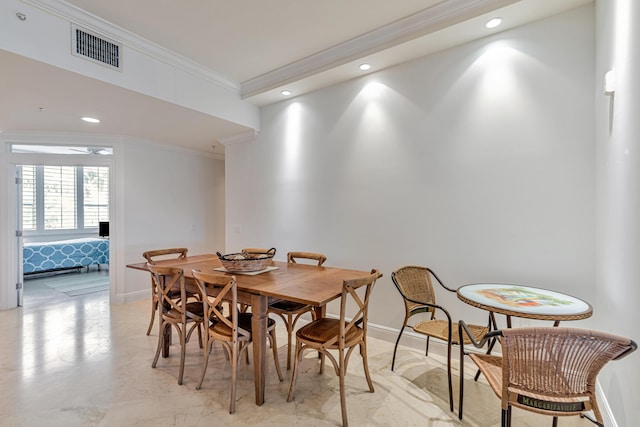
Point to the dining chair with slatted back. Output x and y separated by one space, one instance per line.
152 257
233 330
547 370
290 311
174 312
344 335
415 285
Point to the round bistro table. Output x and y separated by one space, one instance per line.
524 301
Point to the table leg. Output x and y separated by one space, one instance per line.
493 326
259 331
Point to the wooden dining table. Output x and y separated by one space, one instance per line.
307 284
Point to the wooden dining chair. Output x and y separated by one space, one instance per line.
290 311
546 370
342 335
232 330
152 257
174 312
416 288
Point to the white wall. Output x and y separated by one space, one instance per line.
171 199
161 197
618 166
477 161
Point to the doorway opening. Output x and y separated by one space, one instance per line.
62 223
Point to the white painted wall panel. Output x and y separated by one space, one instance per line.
477 161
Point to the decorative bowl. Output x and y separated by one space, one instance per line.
246 261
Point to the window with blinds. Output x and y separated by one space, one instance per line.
64 197
96 195
29 198
60 199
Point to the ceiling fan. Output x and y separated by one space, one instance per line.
92 150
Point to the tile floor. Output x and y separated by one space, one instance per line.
79 361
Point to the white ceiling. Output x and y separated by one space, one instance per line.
261 45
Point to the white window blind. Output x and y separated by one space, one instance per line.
96 195
29 198
60 199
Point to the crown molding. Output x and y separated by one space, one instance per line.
419 24
241 137
98 25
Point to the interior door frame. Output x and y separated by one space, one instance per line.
17 159
19 238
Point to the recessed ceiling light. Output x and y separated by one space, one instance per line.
285 92
90 120
365 66
493 22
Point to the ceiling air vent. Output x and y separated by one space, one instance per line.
95 48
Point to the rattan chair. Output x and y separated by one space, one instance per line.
177 312
233 330
152 257
290 311
416 287
547 370
343 334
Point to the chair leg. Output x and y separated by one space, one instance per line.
205 362
154 308
461 389
274 346
449 376
234 379
296 361
289 326
504 419
365 364
160 343
395 348
583 415
183 353
343 400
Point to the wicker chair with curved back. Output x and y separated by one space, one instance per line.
152 257
290 311
174 312
547 370
416 287
232 330
342 335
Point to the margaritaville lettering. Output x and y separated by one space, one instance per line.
551 406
